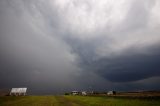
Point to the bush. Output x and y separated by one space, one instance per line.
67 94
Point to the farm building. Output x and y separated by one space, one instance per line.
84 93
18 91
74 92
111 92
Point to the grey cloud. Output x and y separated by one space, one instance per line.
138 14
134 63
130 65
46 46
29 55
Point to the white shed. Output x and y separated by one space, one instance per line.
74 92
111 92
18 91
84 93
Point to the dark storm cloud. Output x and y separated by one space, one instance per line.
130 65
52 45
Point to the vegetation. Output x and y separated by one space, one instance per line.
76 101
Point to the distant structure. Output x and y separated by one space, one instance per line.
18 91
74 92
111 92
84 93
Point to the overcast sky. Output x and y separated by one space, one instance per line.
55 46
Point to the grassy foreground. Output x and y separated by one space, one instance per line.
75 101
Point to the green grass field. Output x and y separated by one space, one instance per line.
75 101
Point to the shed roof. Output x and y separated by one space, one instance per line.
18 90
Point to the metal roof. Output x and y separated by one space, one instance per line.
18 90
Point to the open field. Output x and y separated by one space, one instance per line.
76 101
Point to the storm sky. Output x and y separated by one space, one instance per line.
53 46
